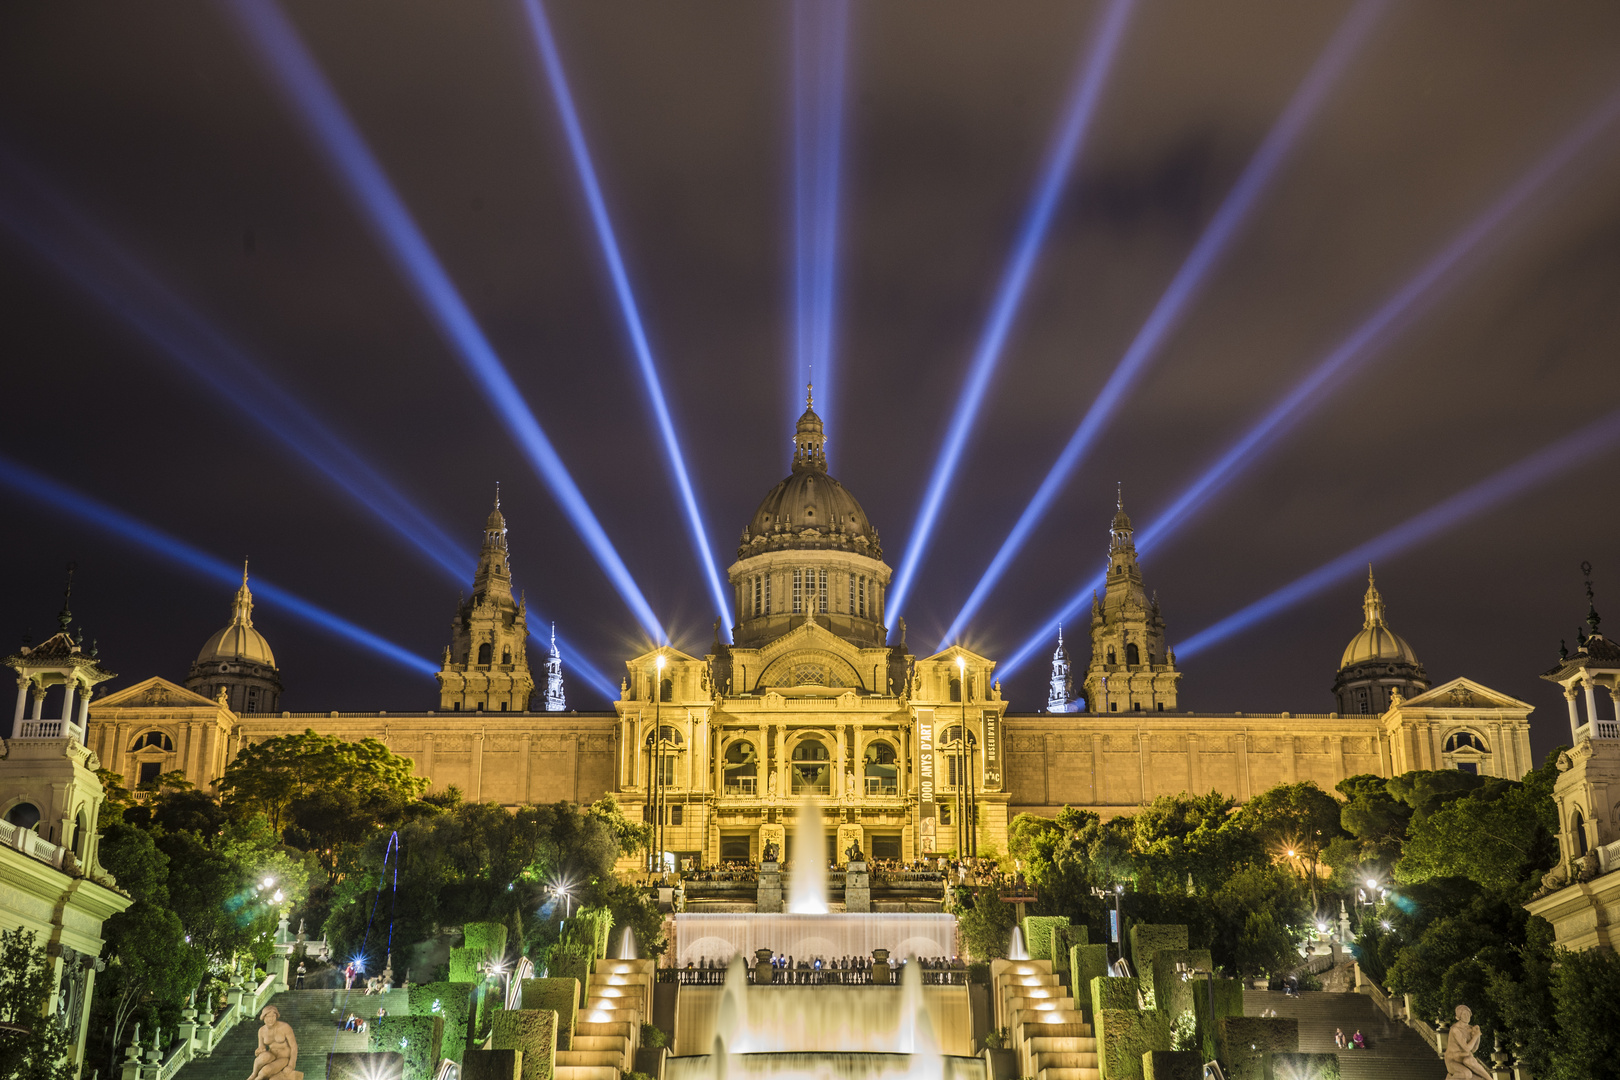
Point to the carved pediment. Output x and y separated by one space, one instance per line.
155 693
1463 693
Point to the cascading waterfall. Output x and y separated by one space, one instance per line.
627 945
1015 949
807 888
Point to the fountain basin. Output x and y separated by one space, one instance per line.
717 936
825 1066
821 1019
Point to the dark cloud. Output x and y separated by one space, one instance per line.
156 120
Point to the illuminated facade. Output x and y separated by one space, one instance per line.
907 755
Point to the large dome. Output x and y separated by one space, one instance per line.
1376 643
809 509
239 641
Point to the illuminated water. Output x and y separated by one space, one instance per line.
807 886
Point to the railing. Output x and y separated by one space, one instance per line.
1401 1013
716 976
48 729
32 844
744 785
878 786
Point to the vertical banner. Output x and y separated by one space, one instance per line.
990 722
926 824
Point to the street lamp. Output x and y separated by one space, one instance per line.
1116 924
966 833
655 759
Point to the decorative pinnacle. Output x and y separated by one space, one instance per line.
1592 617
244 572
810 394
65 616
497 494
1119 495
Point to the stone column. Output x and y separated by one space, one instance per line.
1591 706
22 703
67 701
84 710
836 788
39 702
1614 699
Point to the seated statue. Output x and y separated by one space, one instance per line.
854 854
278 1049
771 851
1462 1039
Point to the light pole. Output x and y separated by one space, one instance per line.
965 845
656 759
1116 926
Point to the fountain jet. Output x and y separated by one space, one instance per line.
1015 948
627 945
807 893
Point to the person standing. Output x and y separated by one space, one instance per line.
298 984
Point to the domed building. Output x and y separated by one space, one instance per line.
238 661
1377 665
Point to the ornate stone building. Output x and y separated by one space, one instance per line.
238 663
816 697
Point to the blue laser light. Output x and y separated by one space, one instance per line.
1070 137
85 255
1183 289
820 32
564 99
43 489
1396 311
1580 448
301 82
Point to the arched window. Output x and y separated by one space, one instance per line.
154 739
1133 655
506 656
25 815
1577 826
669 735
484 652
1111 659
741 767
812 767
666 690
956 688
882 768
1465 740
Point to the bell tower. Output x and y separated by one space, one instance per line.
1130 670
486 666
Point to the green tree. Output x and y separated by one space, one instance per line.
33 1043
1499 833
986 924
1586 997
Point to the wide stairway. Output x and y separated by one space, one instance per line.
618 999
314 1024
1394 1051
1049 1035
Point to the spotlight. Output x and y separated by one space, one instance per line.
1183 289
301 82
564 99
820 29
1572 450
27 482
1070 136
1338 363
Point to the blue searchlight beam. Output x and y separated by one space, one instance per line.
43 489
820 33
1070 136
86 256
1183 289
305 88
1581 448
1396 311
631 313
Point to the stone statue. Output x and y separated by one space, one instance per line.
772 782
771 852
1462 1039
278 1049
854 854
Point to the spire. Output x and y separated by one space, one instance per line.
1593 619
1121 533
555 699
1061 690
65 616
1372 605
242 605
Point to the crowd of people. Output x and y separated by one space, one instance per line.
819 971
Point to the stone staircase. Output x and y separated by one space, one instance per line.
1047 1033
618 999
1394 1051
314 1023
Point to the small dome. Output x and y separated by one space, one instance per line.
239 641
1376 642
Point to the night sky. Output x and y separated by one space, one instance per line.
157 122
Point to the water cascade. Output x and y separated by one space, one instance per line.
627 945
1015 949
807 889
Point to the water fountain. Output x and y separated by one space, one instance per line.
627 945
807 890
1015 948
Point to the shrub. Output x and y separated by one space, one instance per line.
1172 1065
464 965
569 961
1114 992
533 1031
452 1001
493 1065
1174 994
978 972
487 937
420 1039
1038 930
1086 962
1149 938
1246 1040
653 1037
1065 937
1228 1002
561 996
1124 1036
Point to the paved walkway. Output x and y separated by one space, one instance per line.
1394 1051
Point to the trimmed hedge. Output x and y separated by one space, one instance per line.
561 996
493 1065
1114 992
1228 1002
1247 1040
1173 1065
1285 1066
464 965
1086 962
1149 938
1064 939
1038 934
569 962
420 1039
452 1001
1170 992
1124 1036
379 1065
533 1031
488 937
